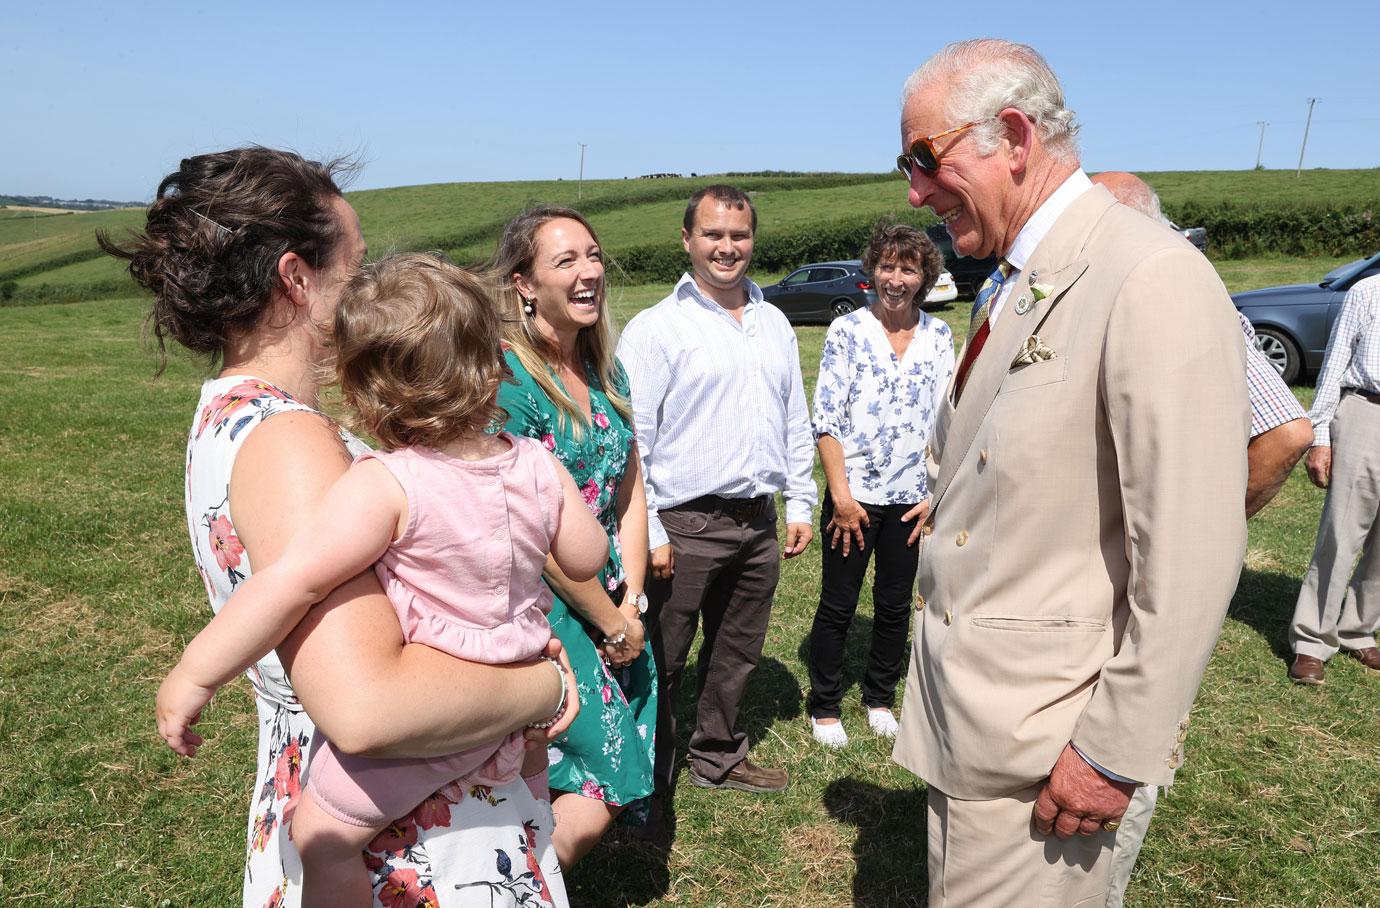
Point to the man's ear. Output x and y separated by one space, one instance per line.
1019 138
685 238
294 276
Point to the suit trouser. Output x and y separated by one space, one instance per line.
987 854
892 587
1339 608
1135 823
725 573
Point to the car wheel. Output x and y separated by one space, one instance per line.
1281 351
841 307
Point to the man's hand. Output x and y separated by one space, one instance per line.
918 514
1319 465
663 562
1078 798
798 535
847 524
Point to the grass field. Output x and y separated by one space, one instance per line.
1278 803
53 258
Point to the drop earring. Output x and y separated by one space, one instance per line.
529 308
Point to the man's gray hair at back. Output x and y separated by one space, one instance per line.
988 75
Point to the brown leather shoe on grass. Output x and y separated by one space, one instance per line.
1306 670
1369 657
747 776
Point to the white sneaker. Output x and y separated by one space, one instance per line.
882 721
831 735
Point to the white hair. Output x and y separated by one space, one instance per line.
1142 198
987 75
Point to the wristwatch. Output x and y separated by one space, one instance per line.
640 600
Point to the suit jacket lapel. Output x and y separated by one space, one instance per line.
1053 265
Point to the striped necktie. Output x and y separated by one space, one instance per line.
978 327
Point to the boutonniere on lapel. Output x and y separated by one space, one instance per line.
1037 292
1034 350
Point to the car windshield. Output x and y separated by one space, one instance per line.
1348 271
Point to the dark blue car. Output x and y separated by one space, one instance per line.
1292 322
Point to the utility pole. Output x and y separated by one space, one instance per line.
1261 147
1311 101
580 186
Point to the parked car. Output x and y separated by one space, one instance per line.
822 291
1292 322
968 274
1195 235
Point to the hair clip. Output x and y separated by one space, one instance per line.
226 230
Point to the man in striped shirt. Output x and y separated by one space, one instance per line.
722 426
1338 607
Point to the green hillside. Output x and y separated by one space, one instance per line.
53 257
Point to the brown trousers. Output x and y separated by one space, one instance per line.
725 573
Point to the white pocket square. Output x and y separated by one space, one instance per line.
1034 350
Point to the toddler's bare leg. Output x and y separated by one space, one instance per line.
333 871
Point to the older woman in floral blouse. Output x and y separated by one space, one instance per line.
882 379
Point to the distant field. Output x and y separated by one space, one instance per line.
52 257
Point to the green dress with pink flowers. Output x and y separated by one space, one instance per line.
608 752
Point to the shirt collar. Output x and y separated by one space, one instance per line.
1044 217
686 288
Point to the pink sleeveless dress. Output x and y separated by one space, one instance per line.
465 577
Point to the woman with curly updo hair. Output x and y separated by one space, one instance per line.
246 253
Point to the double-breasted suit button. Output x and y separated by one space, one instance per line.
948 617
927 529
982 457
929 452
919 602
962 538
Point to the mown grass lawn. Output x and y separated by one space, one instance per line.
1278 804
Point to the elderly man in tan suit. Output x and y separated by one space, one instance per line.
1085 530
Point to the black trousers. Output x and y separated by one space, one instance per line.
892 594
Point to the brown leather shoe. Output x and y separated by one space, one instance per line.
1306 670
747 776
1369 657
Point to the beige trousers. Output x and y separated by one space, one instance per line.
1338 607
987 854
1129 837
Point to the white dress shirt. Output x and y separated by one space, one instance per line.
719 405
1023 247
881 408
1353 356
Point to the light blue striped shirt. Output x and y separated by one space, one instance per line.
1353 356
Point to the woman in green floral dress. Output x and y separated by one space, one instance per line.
571 393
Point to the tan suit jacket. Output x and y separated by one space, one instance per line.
1087 525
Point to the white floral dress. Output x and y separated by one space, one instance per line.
480 846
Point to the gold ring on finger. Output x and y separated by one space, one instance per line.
1111 825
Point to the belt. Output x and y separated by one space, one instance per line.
743 510
1368 395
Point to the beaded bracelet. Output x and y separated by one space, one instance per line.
565 694
621 636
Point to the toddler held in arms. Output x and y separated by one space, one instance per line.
457 522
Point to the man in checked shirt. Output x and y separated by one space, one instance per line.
1338 608
1280 433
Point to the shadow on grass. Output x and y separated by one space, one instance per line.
856 649
890 851
1265 602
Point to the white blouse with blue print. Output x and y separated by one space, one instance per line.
880 408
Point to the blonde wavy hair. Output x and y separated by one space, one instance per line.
517 252
417 351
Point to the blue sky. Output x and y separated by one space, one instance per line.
102 99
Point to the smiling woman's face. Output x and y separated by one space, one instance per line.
566 284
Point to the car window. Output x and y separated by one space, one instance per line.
796 277
828 274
